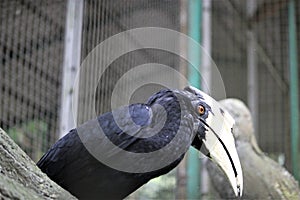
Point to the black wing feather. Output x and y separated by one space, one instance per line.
71 165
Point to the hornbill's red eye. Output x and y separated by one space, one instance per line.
201 110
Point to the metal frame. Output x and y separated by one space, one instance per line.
71 66
194 31
294 91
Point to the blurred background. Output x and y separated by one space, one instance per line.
255 45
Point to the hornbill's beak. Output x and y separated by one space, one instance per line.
218 139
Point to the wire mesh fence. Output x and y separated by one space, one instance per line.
103 19
32 40
230 40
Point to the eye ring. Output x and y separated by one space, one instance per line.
200 109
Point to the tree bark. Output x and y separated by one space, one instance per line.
20 178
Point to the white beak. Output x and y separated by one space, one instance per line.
219 142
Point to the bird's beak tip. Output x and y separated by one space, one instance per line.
239 188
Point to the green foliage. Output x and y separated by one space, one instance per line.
31 137
162 187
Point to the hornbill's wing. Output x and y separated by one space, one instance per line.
69 149
69 162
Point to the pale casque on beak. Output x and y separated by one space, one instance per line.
218 142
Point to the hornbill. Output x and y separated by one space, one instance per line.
116 153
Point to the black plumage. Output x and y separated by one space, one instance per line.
72 166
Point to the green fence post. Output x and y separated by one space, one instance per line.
294 92
194 31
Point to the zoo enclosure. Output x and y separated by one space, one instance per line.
250 43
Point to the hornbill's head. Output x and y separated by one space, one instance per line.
213 126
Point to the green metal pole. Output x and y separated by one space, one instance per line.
194 31
294 101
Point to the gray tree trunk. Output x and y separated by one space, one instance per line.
20 178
